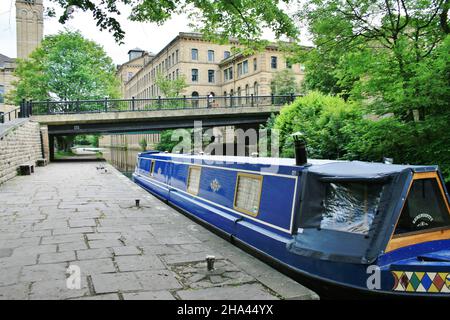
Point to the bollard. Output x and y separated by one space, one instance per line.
210 262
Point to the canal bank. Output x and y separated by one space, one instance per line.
79 215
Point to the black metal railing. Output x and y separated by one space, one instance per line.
151 104
10 115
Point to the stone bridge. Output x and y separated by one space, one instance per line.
128 115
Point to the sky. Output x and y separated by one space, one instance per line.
147 36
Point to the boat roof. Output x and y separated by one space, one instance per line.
329 168
243 160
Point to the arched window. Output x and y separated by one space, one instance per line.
255 92
194 99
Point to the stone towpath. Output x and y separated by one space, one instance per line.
71 217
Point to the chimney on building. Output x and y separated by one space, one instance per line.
135 53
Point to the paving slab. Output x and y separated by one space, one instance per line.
72 215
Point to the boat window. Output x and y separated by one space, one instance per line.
193 180
152 168
424 209
350 206
248 193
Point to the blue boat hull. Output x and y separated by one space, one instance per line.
270 239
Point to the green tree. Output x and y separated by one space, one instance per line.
65 66
321 118
393 58
143 144
165 142
243 19
283 83
377 49
170 88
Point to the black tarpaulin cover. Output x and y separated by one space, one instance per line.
348 209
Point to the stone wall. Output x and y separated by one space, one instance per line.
19 144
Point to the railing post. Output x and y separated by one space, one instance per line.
30 109
272 98
184 102
231 100
159 102
207 101
78 105
133 103
48 106
22 108
106 104
251 101
292 97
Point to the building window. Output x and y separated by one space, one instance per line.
194 75
247 194
130 75
273 62
194 54
170 61
228 74
255 64
226 54
211 55
176 55
288 64
239 66
173 58
193 180
177 73
245 67
255 88
211 76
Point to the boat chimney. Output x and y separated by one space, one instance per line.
301 156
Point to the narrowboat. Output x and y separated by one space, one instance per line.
338 226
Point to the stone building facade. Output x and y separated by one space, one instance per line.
7 67
210 68
30 28
137 59
129 141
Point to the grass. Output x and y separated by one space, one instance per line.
62 154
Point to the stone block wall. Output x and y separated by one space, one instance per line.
19 144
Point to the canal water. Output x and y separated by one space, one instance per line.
122 159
